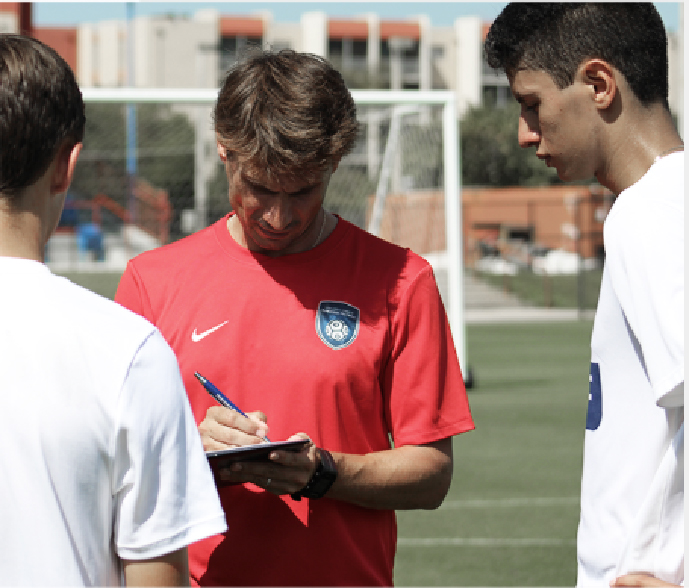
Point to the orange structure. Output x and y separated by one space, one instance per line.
555 217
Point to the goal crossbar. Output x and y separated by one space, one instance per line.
452 260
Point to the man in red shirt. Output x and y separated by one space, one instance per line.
331 333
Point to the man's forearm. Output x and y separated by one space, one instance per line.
404 478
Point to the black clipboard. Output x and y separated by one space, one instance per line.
258 452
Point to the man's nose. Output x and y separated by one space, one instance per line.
279 213
528 134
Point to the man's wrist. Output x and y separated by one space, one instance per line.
322 479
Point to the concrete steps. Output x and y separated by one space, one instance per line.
478 294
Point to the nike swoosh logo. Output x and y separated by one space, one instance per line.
196 337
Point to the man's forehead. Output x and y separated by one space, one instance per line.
528 81
263 177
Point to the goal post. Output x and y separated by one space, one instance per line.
401 182
447 260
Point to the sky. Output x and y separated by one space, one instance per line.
440 13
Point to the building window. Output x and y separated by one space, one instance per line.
232 49
334 48
359 48
399 63
348 56
496 96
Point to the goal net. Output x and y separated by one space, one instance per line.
149 174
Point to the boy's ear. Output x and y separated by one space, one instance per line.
65 163
600 77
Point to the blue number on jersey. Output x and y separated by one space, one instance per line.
595 411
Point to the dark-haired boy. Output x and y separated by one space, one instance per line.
592 81
103 477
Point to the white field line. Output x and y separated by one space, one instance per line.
494 541
481 542
510 502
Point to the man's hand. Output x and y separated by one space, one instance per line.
638 580
224 427
285 472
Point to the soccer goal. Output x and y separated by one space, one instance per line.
149 173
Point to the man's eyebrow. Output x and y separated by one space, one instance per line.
255 183
521 97
306 188
516 93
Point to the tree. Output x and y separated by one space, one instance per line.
491 154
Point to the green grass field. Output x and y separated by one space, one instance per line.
511 515
102 283
558 291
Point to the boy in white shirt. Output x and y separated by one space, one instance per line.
103 478
592 81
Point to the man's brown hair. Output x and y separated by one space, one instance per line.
285 114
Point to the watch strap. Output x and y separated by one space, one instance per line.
322 479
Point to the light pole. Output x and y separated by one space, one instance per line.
131 115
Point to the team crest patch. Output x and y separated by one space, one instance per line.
337 323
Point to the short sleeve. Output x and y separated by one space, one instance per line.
163 489
131 294
645 258
427 398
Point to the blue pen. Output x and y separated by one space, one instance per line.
219 396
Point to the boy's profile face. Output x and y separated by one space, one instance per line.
558 122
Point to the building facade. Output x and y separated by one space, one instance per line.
371 53
190 52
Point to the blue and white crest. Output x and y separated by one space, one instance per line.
337 323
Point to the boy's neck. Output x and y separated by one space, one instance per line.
24 229
637 138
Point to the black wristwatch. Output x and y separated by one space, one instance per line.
322 478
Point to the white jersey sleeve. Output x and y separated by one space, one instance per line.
163 486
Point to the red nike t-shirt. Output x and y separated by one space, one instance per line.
347 342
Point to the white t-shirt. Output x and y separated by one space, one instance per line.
632 491
101 456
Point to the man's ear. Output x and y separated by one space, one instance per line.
65 164
601 79
222 152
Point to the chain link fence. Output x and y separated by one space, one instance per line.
164 180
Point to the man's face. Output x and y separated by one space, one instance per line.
277 217
559 123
